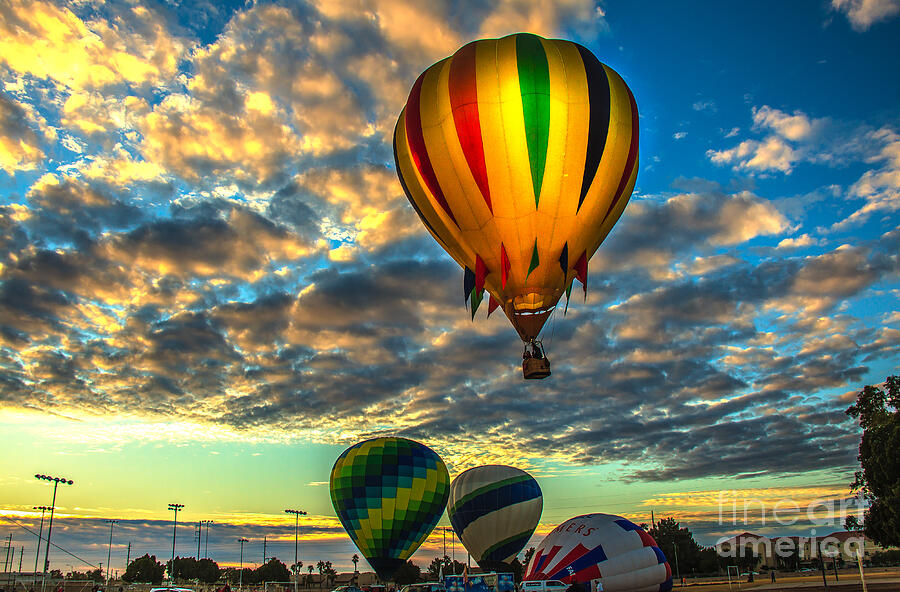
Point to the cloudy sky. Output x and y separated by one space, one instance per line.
211 282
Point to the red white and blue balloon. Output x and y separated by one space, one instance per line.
604 547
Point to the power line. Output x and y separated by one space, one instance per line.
66 551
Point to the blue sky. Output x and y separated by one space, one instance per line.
211 282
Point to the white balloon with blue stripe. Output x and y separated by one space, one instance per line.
494 510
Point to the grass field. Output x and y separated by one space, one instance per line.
877 580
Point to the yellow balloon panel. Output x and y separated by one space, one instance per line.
522 146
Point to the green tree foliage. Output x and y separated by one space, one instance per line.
517 569
886 558
144 569
94 574
529 553
208 571
185 568
878 412
671 538
450 568
272 571
408 573
710 562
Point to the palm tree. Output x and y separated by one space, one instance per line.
321 567
355 560
309 568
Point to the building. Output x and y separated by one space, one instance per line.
794 551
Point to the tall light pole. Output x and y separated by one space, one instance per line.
206 543
297 514
241 540
109 550
175 507
37 553
56 481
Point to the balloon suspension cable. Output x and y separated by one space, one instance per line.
552 330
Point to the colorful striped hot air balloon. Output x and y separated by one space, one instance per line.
519 155
389 494
494 510
602 547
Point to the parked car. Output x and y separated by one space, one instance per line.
543 586
424 587
347 589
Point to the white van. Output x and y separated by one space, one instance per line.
543 586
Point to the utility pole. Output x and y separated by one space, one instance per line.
128 556
199 536
264 550
109 550
677 571
37 553
56 481
821 563
294 568
206 543
175 507
8 547
241 540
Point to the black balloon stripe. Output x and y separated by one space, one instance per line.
598 126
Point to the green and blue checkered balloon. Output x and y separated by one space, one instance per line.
389 494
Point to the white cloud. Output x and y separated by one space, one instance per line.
51 42
679 135
771 154
804 240
792 127
864 13
880 188
71 144
789 139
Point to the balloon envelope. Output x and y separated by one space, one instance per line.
494 510
519 155
389 494
602 546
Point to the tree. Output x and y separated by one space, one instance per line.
208 571
92 574
529 553
517 569
185 568
408 573
878 412
710 562
450 567
678 545
330 573
145 569
272 571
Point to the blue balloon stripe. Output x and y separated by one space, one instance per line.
592 557
660 558
627 524
492 501
506 548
